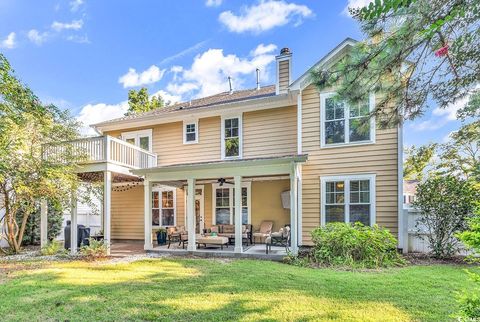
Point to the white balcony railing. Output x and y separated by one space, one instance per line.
102 149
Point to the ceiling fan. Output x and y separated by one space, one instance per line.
222 181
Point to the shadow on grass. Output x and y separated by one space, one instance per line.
199 290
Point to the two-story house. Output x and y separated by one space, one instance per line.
199 163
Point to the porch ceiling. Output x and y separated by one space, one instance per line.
224 168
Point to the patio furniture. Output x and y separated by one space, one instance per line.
176 235
280 238
212 240
229 232
264 231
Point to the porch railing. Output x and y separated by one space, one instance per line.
101 149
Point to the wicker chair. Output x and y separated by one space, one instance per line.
264 231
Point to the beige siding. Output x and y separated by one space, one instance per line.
283 75
127 214
270 132
379 158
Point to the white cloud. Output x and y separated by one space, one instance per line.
450 112
167 97
149 76
9 42
213 3
267 14
79 39
209 71
75 5
355 4
96 113
184 52
74 25
36 37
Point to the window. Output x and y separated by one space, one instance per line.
142 138
348 199
163 207
224 206
231 137
343 124
190 132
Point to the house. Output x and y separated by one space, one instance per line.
196 164
409 192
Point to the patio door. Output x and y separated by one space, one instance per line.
199 210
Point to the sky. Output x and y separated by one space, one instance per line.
85 55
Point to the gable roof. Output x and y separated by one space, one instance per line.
213 100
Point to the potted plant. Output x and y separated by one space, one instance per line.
161 236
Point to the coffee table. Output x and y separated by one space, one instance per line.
212 240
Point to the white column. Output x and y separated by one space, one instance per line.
43 222
300 204
73 224
293 209
238 214
107 201
147 189
192 246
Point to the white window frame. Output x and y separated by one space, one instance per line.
347 179
247 185
160 190
136 135
240 136
323 97
185 123
202 198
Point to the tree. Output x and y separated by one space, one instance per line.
32 227
417 161
446 204
415 52
26 128
139 101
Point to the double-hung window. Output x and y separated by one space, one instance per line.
163 207
344 124
231 137
224 204
190 132
142 138
348 199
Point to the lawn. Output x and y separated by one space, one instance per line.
202 289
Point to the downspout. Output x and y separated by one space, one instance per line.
402 237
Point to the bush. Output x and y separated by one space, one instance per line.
446 203
357 246
31 235
52 248
97 249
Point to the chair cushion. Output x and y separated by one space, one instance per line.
228 229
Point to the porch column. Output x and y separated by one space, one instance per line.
293 208
192 246
147 189
238 214
107 200
43 222
73 224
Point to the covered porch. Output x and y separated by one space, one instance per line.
265 191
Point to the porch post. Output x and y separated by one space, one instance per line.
293 208
238 214
192 246
107 199
43 222
73 224
147 190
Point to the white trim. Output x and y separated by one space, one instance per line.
299 122
371 102
240 136
147 209
202 200
347 179
300 205
280 58
185 123
247 185
136 136
160 189
402 219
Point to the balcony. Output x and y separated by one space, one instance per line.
94 152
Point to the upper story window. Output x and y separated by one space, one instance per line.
348 199
342 124
142 138
231 137
190 132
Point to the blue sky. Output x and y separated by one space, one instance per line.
85 55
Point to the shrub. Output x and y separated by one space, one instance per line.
95 250
31 235
445 203
52 248
356 245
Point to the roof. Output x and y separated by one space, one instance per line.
217 99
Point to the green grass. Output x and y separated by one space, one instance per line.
199 290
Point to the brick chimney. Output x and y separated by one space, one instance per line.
284 70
